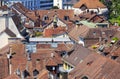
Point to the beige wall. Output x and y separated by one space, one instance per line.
3 40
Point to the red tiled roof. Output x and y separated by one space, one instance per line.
43 75
96 66
43 56
78 54
18 62
90 4
18 48
51 62
3 7
60 47
60 13
13 76
4 71
53 31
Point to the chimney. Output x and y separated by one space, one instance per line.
22 75
28 56
55 20
52 54
7 21
18 71
77 26
9 63
100 39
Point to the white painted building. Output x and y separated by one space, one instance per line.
33 4
58 3
90 5
8 28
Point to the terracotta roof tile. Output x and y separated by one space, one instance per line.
4 8
13 76
90 4
51 62
78 54
90 33
96 66
18 6
43 75
60 13
4 71
78 31
17 48
60 47
18 62
53 31
42 58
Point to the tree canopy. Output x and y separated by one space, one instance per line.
55 7
114 10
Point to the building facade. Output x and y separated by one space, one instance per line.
34 4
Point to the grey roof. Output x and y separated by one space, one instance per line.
79 53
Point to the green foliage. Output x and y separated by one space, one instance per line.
114 10
115 39
37 34
115 20
55 7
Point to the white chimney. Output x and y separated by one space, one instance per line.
22 75
18 71
52 54
9 63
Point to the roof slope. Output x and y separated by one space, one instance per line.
86 32
78 54
9 32
78 31
90 4
96 66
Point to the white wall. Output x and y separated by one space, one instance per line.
78 11
2 24
11 25
58 3
81 42
68 7
3 40
59 23
63 36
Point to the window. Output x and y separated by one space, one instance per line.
66 17
46 17
83 7
84 77
35 72
94 33
114 57
54 45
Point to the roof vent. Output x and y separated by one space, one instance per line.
89 63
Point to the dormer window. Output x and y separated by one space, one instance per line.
46 17
66 18
94 33
84 77
83 7
114 57
35 72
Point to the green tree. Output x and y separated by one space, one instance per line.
114 10
55 7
